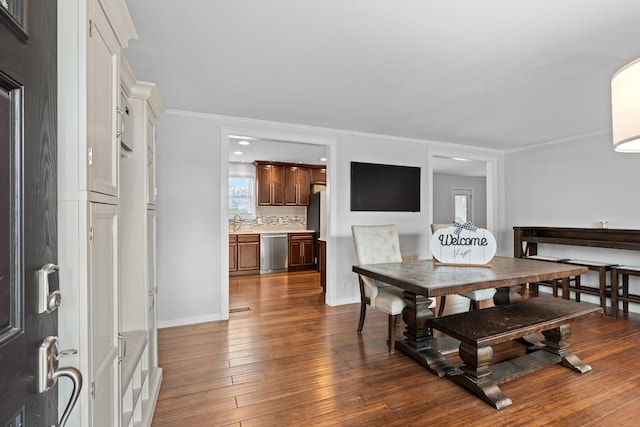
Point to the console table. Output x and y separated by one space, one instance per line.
526 240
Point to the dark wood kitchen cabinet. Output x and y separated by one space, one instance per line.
301 252
297 186
244 253
322 264
286 184
233 252
270 184
318 175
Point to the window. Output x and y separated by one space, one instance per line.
462 211
241 199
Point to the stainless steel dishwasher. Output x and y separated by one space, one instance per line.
274 252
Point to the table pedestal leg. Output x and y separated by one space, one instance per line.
419 342
555 342
475 375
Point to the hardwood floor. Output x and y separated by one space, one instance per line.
292 360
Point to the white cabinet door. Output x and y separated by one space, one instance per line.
103 314
103 85
151 165
152 289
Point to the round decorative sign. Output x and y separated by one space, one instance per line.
463 244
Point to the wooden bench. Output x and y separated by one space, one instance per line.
527 239
479 330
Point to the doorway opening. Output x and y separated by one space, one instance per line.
258 145
464 188
462 202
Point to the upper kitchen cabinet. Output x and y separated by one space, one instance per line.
270 184
297 186
318 175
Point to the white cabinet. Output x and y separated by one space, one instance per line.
141 379
152 288
124 124
103 84
104 323
151 164
104 247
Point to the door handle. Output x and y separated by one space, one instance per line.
49 372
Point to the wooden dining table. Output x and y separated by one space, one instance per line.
423 280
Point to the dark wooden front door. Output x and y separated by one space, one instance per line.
28 215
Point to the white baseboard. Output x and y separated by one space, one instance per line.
188 320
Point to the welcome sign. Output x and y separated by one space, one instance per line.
463 244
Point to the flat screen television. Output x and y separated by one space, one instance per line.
385 188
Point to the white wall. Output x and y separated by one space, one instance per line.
412 226
188 205
191 161
574 183
442 197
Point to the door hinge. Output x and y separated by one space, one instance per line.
90 28
90 156
93 389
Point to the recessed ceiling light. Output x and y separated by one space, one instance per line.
323 159
460 159
244 142
239 153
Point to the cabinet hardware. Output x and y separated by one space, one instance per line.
122 129
122 349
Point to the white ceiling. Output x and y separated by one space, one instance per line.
494 73
280 151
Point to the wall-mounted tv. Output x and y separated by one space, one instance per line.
385 188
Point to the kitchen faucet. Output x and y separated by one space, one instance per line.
236 222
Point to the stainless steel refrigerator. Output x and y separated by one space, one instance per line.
316 218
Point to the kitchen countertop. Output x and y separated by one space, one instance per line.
271 231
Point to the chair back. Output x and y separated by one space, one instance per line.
438 226
376 243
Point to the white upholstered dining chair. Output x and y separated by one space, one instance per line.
474 296
378 244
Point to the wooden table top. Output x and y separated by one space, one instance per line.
423 277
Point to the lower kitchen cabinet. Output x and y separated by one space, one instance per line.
301 252
233 252
244 253
322 264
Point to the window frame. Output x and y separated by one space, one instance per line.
251 197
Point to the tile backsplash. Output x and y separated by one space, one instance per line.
277 216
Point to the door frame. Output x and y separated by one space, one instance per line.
282 136
466 191
494 183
